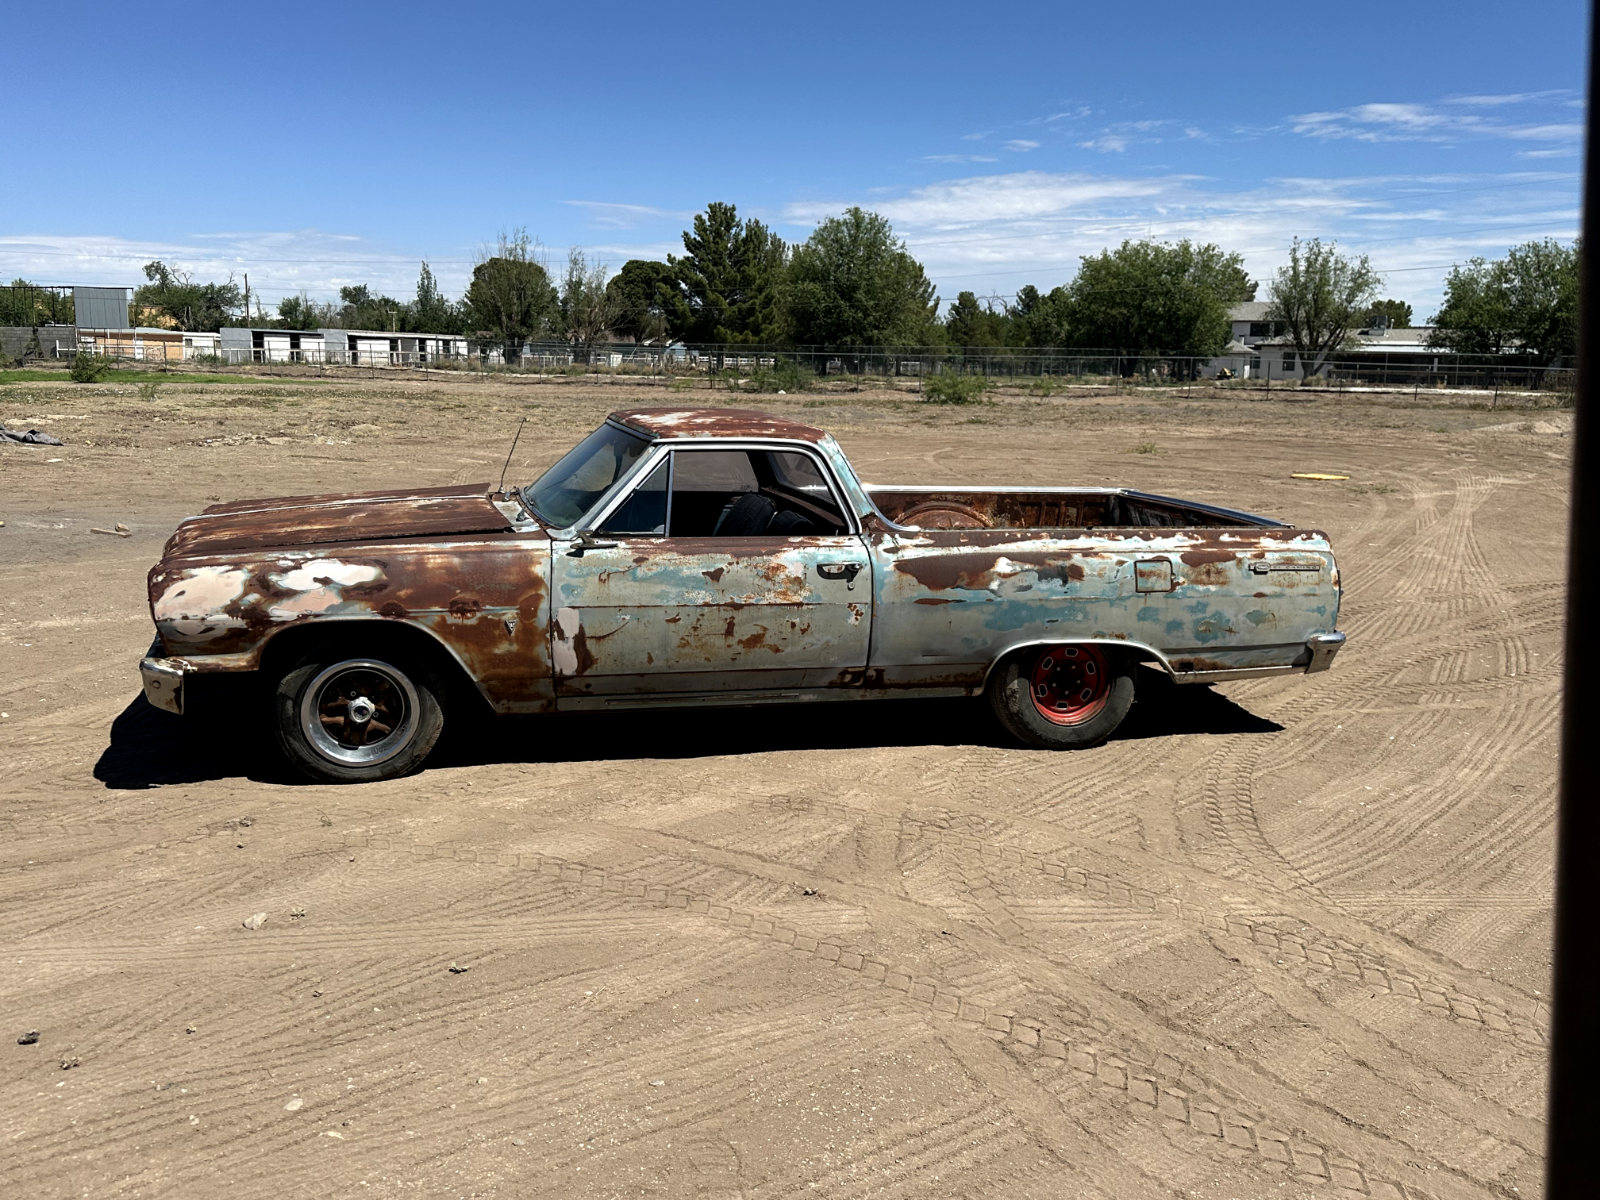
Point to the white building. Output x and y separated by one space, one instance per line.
352 347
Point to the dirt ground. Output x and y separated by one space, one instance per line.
1278 938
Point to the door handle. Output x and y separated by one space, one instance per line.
845 571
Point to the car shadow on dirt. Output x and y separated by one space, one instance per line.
151 748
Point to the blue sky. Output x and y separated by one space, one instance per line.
329 145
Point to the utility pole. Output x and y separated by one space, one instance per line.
247 297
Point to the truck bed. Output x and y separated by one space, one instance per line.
1051 508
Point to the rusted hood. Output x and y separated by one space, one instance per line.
358 516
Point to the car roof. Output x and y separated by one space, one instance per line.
715 422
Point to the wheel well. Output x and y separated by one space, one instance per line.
1131 652
379 639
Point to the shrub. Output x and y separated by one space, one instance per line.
954 389
1046 386
785 376
89 368
150 390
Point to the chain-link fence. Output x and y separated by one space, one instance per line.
751 368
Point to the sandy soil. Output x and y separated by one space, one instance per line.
1279 938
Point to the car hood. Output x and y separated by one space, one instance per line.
287 521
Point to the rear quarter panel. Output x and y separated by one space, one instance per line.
948 603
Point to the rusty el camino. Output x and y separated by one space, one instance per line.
720 557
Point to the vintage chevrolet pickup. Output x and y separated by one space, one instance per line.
720 557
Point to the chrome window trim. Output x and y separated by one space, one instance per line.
596 517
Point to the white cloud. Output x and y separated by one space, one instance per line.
1506 98
1106 143
973 137
624 216
1021 145
280 263
959 158
997 232
1389 122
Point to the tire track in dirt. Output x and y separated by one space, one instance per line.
940 998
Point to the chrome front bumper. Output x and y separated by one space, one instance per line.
163 682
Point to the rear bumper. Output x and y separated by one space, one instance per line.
1323 647
1317 655
163 682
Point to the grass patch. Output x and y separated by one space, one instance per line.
954 389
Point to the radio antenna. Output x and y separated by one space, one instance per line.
501 490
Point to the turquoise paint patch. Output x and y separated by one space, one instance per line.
1212 627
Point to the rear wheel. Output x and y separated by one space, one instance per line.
357 720
1062 697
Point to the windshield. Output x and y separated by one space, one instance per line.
585 473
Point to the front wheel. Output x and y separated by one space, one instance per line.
1062 697
357 720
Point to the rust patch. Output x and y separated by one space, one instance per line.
716 575
580 649
1211 574
728 632
397 611
715 422
1200 558
759 639
356 517
465 608
934 600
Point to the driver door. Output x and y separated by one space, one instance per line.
697 583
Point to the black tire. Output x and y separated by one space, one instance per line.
328 734
1103 671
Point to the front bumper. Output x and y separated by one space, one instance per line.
163 682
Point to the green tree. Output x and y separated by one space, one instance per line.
432 313
975 325
853 284
1154 297
300 312
643 292
1041 320
587 306
1527 301
731 275
172 298
361 309
511 298
24 303
1321 297
1397 312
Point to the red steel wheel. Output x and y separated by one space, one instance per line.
1070 684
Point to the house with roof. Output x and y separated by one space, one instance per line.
352 347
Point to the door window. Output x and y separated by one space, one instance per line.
644 513
751 493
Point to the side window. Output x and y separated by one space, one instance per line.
706 485
796 477
645 511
